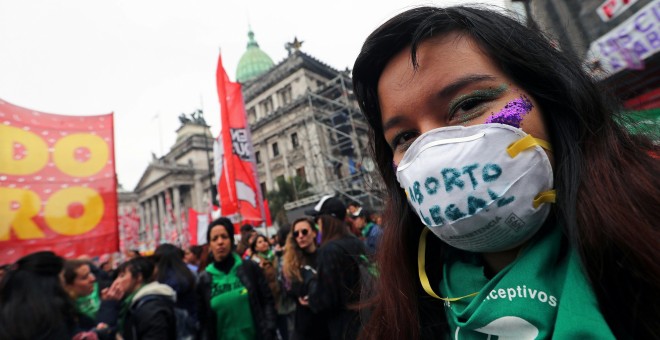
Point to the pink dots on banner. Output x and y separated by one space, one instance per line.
14 205
47 191
3 178
16 118
21 180
51 140
37 178
19 151
45 133
63 186
6 122
26 128
63 133
82 154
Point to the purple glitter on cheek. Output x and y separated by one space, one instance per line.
513 112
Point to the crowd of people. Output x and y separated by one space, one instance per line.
517 206
301 283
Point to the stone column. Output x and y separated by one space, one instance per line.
143 222
161 214
176 197
148 213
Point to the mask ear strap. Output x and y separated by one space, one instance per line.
421 268
525 143
549 196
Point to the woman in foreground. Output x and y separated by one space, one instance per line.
517 205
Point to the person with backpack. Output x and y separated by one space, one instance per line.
142 309
336 288
172 271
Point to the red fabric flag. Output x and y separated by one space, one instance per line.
57 184
238 186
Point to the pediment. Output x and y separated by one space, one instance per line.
152 174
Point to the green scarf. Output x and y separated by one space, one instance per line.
123 310
89 305
267 255
231 304
367 229
543 294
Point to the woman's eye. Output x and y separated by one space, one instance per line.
403 140
469 104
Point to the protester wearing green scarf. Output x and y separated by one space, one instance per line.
80 283
144 308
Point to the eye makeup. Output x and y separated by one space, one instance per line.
474 101
513 112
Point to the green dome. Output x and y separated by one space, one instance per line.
254 61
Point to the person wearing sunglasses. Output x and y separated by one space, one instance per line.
298 268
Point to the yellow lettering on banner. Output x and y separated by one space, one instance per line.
36 151
57 216
21 218
65 149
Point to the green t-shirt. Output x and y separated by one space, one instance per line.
543 294
229 301
89 305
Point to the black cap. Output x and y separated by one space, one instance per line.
328 205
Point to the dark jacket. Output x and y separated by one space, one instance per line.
262 304
150 314
337 286
307 324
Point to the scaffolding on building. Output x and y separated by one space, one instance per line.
341 149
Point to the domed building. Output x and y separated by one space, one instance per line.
254 62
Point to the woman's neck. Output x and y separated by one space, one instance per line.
310 249
494 262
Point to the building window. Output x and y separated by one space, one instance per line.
257 157
252 115
276 150
285 95
267 105
300 172
294 140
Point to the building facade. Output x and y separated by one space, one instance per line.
305 122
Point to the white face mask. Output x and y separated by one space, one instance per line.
479 188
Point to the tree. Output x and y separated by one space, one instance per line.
289 190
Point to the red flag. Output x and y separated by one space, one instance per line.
238 187
269 221
57 184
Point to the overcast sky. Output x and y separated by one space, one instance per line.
148 61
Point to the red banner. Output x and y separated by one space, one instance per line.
238 187
57 184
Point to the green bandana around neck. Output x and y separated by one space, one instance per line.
89 305
123 310
543 294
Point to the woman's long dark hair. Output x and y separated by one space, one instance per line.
33 303
607 184
170 267
332 228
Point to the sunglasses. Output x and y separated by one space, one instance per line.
304 232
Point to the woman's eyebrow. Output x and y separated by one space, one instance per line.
446 92
463 82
